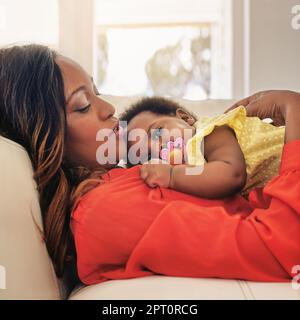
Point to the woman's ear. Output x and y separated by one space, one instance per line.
186 116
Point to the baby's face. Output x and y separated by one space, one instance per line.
155 131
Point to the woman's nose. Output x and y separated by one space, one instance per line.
105 110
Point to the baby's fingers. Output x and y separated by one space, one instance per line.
144 173
147 174
151 182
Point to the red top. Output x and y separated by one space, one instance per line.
124 229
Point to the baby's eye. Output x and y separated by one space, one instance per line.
156 133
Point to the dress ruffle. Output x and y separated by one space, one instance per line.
235 119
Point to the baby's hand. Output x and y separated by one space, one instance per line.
156 173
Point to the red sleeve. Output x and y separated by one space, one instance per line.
208 242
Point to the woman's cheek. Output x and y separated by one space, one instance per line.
86 133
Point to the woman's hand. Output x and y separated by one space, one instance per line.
274 104
156 173
282 106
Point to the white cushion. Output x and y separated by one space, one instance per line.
23 254
175 288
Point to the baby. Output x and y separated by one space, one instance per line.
240 153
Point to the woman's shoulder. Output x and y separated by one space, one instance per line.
118 178
121 172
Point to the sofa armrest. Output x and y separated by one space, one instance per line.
23 255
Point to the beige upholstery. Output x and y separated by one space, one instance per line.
173 288
29 272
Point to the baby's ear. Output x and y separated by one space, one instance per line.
186 116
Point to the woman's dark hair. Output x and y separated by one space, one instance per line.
157 105
33 114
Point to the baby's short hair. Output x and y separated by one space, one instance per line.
157 105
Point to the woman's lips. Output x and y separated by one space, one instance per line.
117 130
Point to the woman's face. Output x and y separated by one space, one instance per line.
86 113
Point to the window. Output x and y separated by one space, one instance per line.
30 21
145 47
172 48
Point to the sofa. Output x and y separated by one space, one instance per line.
26 271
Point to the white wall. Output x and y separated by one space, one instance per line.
30 21
238 72
274 56
265 47
76 32
118 12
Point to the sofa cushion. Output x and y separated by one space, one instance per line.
28 269
176 288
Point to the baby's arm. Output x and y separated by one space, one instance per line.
225 171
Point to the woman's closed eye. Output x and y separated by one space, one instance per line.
84 109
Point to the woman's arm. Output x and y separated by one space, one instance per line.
292 120
257 241
123 229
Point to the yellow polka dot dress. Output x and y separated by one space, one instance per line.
260 142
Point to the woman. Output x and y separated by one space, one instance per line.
122 228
